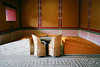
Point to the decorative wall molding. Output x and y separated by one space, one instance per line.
94 30
93 37
49 28
39 14
91 30
60 14
89 15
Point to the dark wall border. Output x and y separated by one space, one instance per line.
20 16
79 25
84 28
8 5
8 31
30 28
91 30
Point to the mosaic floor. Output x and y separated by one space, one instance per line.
65 61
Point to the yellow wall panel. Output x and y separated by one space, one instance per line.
29 13
95 14
84 13
49 13
70 13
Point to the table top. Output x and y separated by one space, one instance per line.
45 38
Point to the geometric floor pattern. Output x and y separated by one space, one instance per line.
31 61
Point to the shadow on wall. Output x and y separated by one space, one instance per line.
29 13
11 36
29 32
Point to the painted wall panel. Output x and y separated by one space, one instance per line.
84 13
95 14
29 13
84 34
95 38
5 38
70 13
50 32
16 34
70 32
29 32
49 13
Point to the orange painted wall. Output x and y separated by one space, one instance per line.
29 13
95 14
84 13
4 25
70 13
50 13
